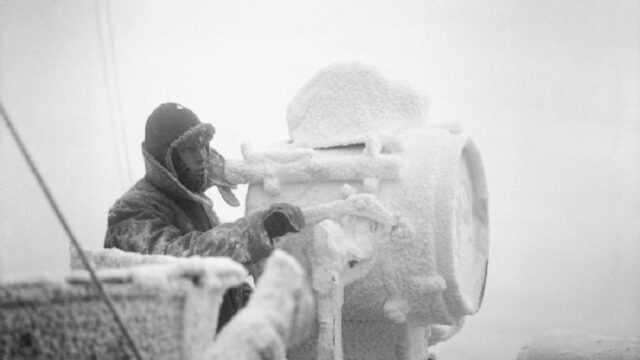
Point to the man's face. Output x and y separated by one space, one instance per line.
192 166
194 156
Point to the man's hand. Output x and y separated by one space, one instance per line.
264 226
281 219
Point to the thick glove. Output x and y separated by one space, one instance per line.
264 226
281 219
249 239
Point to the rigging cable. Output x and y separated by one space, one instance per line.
67 229
112 87
116 85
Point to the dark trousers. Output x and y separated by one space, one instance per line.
232 301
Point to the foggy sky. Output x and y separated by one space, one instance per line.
549 91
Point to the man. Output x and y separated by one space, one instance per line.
167 211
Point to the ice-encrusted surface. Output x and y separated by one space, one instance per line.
169 305
278 316
425 266
350 99
169 309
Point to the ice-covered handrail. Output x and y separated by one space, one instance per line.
218 272
279 315
364 205
298 164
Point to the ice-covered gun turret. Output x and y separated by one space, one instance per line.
397 242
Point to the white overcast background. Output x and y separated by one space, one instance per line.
549 91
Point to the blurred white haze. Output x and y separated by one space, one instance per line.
549 91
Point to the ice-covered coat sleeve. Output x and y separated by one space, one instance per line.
147 224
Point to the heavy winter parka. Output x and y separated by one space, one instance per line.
158 215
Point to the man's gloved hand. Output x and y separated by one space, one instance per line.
281 219
264 226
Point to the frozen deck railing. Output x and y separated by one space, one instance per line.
170 306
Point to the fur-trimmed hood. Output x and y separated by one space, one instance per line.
166 177
200 134
163 179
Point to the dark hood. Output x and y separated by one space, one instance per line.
166 177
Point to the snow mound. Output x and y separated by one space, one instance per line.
346 100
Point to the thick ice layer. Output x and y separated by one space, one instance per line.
289 163
170 310
438 241
430 264
278 315
355 134
348 100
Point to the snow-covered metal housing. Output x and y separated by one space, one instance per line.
398 232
